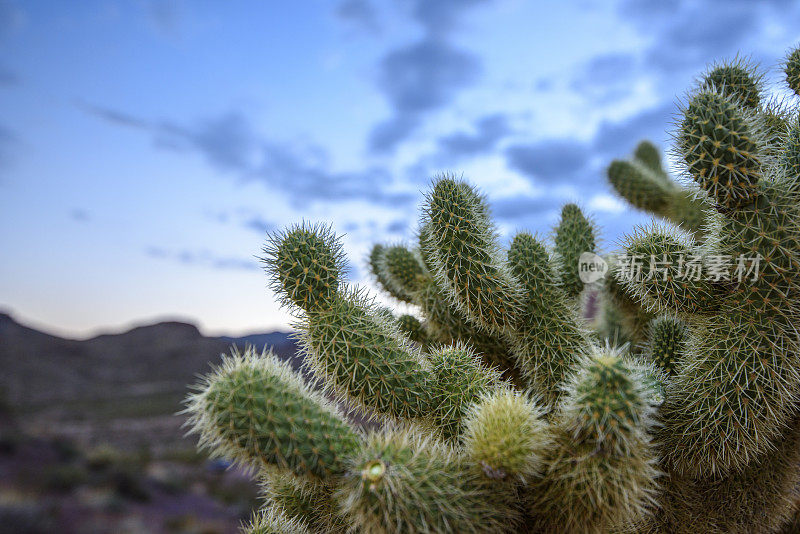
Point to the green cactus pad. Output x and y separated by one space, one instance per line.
362 359
465 251
638 185
607 404
270 521
714 426
645 185
459 379
666 344
530 264
663 269
763 244
446 325
402 482
305 264
550 335
303 499
720 147
647 153
412 328
574 236
253 409
600 473
760 498
792 70
375 261
401 271
506 435
790 160
736 80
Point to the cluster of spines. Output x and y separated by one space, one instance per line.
718 140
302 498
464 251
362 359
321 475
522 298
664 269
737 80
271 521
505 434
550 335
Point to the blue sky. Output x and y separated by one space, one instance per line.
147 146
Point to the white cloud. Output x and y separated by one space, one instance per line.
606 203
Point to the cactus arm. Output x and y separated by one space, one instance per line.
639 185
645 185
464 250
459 379
402 482
757 499
550 336
574 235
254 410
791 69
715 425
303 499
600 474
663 269
413 329
271 521
719 144
506 435
376 267
666 345
402 271
647 153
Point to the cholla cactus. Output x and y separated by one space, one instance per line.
644 183
792 70
495 406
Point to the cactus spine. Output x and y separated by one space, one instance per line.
496 408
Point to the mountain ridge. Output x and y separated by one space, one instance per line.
42 368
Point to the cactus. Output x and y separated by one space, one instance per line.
412 328
666 342
494 407
404 482
574 235
505 433
601 473
792 70
443 323
270 521
736 80
256 411
301 497
644 183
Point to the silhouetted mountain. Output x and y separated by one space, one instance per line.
42 369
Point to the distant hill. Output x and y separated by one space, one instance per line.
41 369
91 438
